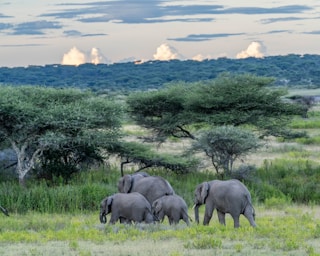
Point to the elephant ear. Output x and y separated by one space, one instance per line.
157 206
125 184
204 190
109 203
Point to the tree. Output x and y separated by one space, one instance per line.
228 100
35 119
143 156
224 145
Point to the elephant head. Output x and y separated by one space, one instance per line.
125 183
156 208
105 208
201 194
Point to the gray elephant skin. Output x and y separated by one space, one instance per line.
229 196
152 187
126 208
172 206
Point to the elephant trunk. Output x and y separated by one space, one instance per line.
103 218
196 212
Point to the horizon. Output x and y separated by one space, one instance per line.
75 32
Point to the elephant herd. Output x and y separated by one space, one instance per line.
145 198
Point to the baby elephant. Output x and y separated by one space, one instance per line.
126 208
172 206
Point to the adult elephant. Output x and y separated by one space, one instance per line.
152 187
172 206
126 208
229 196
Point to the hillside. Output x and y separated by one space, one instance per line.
290 70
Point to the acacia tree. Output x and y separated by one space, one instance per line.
34 119
224 145
228 100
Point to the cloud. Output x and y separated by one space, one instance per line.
315 32
255 49
200 57
5 26
203 37
273 20
76 57
96 56
166 52
35 27
73 57
137 11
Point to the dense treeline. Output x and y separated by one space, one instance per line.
289 70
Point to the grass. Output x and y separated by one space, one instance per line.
287 230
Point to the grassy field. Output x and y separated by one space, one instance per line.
282 230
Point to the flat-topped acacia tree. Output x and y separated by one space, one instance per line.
34 119
179 108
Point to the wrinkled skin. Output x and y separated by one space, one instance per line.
172 206
229 196
126 208
152 187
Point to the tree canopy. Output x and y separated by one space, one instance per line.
35 119
228 100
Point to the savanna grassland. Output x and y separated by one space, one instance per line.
285 191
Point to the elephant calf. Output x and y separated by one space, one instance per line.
126 208
172 206
230 196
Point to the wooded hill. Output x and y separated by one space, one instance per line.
291 70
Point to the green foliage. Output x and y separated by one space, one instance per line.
38 119
145 156
298 179
289 70
83 194
228 100
224 145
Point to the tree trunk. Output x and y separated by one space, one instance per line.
24 162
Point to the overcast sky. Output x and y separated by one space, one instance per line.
39 32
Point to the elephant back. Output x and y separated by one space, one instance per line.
152 187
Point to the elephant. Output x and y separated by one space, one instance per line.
126 208
4 210
152 187
230 196
172 206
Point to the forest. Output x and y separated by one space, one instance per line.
290 70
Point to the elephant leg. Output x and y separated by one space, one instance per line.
248 213
207 215
114 218
222 217
236 220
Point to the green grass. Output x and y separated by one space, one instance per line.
291 230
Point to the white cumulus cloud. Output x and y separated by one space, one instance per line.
166 52
73 57
96 56
255 49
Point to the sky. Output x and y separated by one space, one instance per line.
73 32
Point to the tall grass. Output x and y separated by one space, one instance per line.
297 179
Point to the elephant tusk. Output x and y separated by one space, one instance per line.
194 206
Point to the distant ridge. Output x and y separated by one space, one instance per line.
290 70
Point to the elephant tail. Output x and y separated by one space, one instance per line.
186 213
